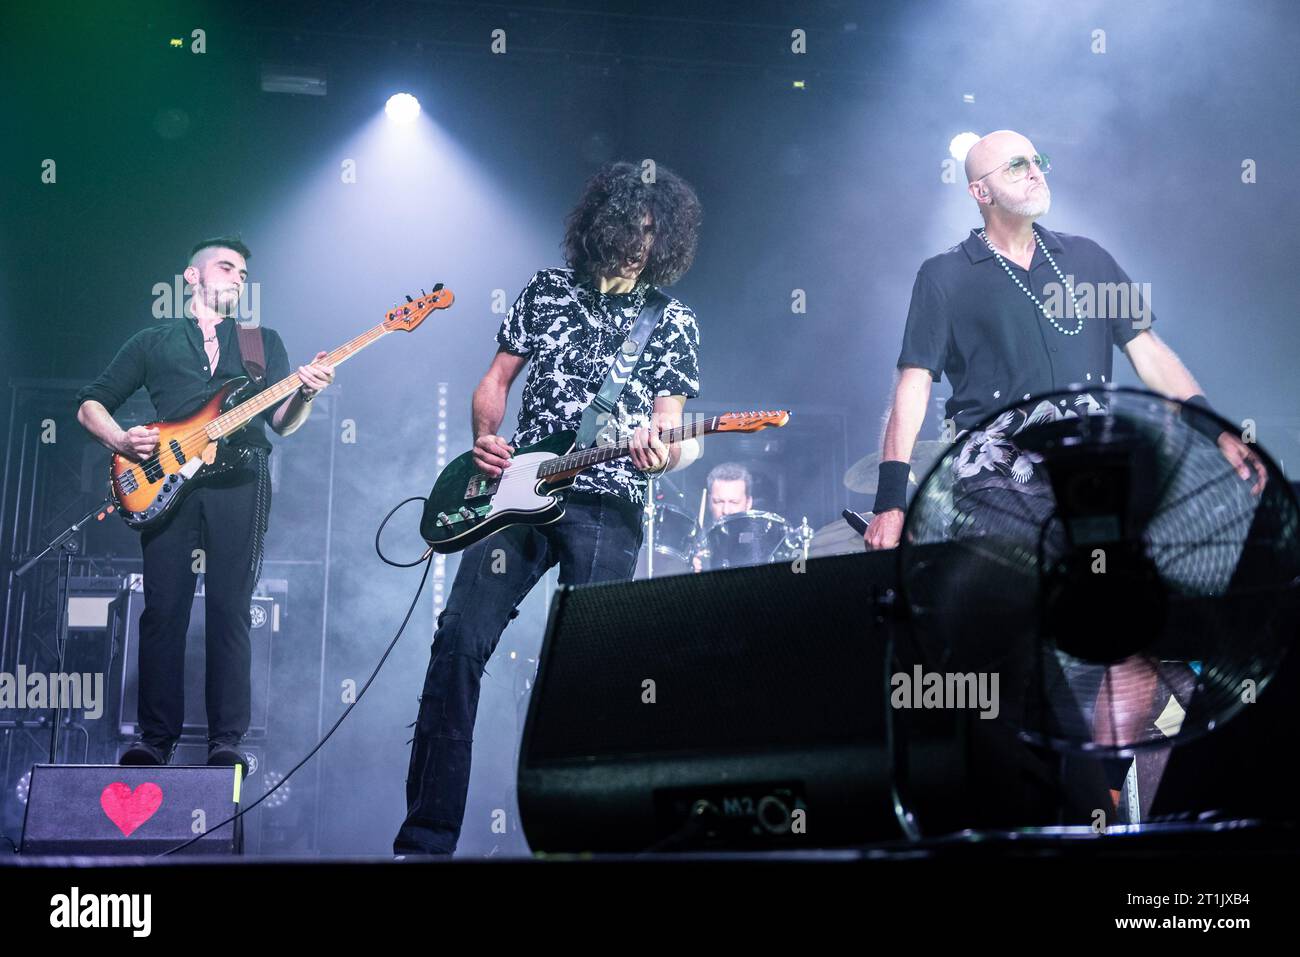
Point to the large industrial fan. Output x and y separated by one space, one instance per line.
1130 590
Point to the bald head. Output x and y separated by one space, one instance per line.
1005 195
991 151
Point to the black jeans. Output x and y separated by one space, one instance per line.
225 517
596 540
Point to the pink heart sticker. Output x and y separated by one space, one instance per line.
129 809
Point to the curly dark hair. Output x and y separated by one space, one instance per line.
604 229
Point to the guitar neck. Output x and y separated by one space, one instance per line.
242 414
575 462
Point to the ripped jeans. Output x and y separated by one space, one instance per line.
596 540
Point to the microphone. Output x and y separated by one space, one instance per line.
856 521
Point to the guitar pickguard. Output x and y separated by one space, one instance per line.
223 459
480 486
482 505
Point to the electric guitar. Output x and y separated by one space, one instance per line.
466 506
195 447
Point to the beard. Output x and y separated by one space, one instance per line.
1031 207
221 299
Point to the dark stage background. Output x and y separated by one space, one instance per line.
821 172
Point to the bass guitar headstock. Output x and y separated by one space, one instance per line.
415 311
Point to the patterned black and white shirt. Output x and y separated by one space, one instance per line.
571 332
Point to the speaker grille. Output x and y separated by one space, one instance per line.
712 663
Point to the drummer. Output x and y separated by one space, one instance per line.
730 492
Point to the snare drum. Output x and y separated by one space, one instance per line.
746 538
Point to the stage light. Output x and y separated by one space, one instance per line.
961 144
402 108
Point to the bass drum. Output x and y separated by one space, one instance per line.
748 538
674 544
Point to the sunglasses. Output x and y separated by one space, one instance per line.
1017 167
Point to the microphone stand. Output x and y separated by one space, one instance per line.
66 543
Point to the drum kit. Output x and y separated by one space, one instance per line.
675 542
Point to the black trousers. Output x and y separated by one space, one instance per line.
596 540
217 529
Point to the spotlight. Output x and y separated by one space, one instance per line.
961 144
402 108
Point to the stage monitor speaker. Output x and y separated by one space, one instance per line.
126 677
106 810
743 708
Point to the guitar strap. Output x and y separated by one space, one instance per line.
252 351
596 414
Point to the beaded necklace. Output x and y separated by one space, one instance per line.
1029 292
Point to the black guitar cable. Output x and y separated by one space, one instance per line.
427 558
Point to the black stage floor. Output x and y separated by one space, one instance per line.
1235 875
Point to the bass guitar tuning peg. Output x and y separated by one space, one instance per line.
409 299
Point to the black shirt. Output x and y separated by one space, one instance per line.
169 361
970 321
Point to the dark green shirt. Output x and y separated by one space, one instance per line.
169 361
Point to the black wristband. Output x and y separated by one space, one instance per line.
1207 427
891 486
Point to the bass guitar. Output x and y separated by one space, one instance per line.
195 447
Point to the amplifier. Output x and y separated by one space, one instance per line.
90 601
126 672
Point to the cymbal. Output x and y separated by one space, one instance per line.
837 538
864 473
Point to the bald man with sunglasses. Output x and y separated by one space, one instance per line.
988 314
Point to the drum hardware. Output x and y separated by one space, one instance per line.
650 526
801 538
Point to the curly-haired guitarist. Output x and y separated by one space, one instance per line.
625 237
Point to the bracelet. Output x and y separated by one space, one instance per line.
891 486
1206 426
306 393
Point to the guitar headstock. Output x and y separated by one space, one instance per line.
414 312
752 421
